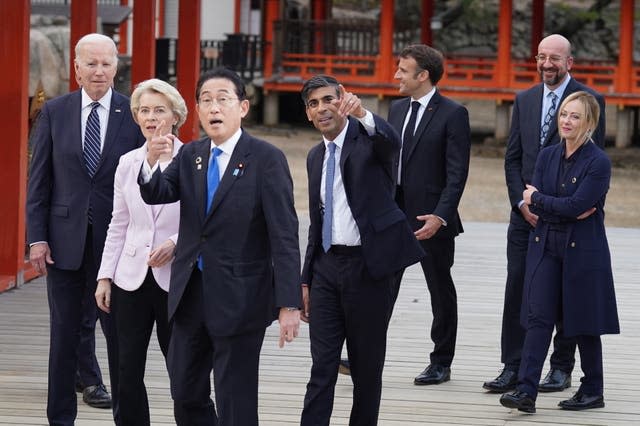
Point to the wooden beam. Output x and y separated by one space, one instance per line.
537 25
14 116
386 40
143 55
188 59
84 20
271 15
426 35
504 43
123 30
625 57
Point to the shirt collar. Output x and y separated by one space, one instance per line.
104 101
424 101
559 91
339 140
229 145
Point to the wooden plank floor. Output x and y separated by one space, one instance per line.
479 276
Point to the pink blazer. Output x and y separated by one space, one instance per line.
136 228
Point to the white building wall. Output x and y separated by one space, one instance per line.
217 19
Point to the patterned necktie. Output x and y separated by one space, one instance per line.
92 140
409 130
551 112
328 198
213 176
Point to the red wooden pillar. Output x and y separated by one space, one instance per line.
237 15
537 25
143 55
123 31
161 18
386 60
188 60
319 15
271 14
84 17
426 35
503 67
14 116
625 57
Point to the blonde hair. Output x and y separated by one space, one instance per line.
178 106
591 112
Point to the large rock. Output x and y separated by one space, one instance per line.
49 56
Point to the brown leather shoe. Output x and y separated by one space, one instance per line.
96 396
344 367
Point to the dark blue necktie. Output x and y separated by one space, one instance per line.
213 179
92 140
409 130
328 198
213 176
551 112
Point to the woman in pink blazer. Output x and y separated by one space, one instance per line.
139 250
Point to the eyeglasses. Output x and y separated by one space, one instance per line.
221 101
553 58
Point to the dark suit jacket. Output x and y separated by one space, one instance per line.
366 164
60 188
524 137
588 296
437 163
248 241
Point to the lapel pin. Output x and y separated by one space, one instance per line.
573 180
238 170
117 110
199 163
429 109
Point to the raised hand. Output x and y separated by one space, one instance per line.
349 104
159 145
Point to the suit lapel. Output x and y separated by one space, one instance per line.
428 114
315 176
237 165
199 162
348 144
140 156
116 115
74 109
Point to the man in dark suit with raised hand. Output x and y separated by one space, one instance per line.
432 172
358 240
77 144
534 125
237 264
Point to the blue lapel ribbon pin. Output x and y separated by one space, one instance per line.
238 171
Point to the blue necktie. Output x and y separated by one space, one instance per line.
213 176
328 198
92 140
213 179
551 112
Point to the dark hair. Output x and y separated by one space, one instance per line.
225 73
316 82
427 58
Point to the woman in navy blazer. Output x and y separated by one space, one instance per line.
568 274
139 249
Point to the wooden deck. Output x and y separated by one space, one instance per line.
479 275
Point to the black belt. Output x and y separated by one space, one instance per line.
346 250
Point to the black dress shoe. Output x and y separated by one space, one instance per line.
344 367
505 382
96 396
434 374
581 401
520 400
555 381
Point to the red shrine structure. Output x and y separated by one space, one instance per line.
291 51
